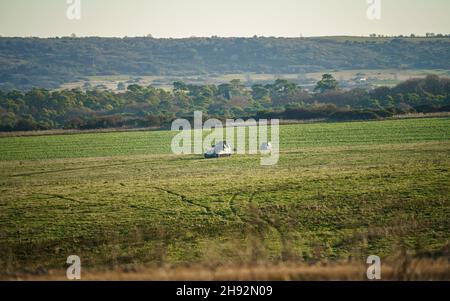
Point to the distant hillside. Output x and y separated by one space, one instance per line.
35 62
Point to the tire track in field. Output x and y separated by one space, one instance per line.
231 204
183 198
259 216
62 197
283 240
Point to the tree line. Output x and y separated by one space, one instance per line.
140 106
34 62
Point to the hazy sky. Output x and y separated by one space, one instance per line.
185 18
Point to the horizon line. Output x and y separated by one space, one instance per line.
73 35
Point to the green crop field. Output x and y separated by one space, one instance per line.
339 191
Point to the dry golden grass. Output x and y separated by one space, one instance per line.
406 269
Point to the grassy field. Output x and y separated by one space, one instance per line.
340 192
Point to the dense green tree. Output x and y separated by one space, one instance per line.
140 106
121 86
327 83
224 90
180 86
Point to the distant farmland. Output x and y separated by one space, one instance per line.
341 191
